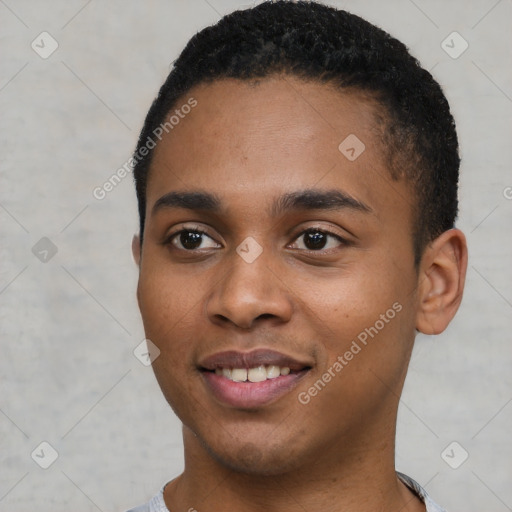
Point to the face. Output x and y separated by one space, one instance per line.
277 275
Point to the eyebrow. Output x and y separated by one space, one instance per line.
308 199
317 199
188 200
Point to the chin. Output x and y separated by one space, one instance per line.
252 459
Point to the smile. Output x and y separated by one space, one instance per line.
251 380
258 374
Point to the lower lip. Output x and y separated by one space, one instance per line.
249 395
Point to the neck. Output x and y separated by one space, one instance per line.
346 475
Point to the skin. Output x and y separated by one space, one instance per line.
249 144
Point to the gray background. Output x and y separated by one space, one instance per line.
69 321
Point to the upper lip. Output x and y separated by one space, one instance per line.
252 359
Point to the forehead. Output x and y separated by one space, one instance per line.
277 134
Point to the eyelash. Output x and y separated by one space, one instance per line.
342 241
197 230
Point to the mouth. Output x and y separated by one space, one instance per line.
257 374
251 380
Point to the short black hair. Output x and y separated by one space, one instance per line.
313 41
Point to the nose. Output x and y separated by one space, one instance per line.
249 294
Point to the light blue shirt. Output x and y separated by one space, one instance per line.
157 504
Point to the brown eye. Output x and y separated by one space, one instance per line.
317 240
192 239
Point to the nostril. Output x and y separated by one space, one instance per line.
264 316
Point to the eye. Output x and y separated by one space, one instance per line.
316 240
192 239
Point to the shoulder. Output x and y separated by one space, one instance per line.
140 508
430 504
155 504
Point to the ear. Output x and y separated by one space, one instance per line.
136 248
441 281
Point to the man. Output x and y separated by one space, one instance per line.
297 187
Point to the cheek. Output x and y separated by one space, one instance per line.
367 319
344 306
168 304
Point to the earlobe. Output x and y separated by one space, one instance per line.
136 249
442 277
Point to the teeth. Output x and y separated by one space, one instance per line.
273 372
258 374
239 374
